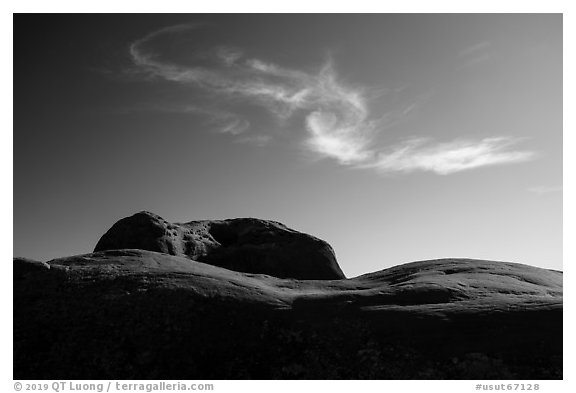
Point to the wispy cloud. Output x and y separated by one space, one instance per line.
450 157
476 54
541 190
338 122
220 121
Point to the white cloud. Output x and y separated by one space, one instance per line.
336 139
223 122
540 190
229 56
476 54
450 157
236 126
338 121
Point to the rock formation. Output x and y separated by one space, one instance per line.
137 314
243 244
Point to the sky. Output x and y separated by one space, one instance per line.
394 137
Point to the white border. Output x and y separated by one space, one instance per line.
299 6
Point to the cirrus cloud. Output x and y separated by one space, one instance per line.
449 157
338 123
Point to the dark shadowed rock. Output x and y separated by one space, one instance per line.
134 314
243 244
25 266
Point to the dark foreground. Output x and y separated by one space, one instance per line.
133 314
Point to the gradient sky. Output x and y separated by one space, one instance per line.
393 137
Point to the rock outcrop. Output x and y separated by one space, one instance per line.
136 314
243 244
25 266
